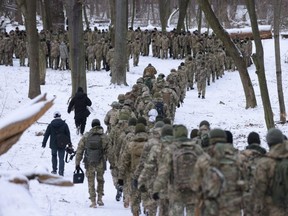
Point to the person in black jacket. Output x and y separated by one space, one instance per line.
57 126
79 103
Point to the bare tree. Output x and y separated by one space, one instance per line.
258 59
28 8
164 6
77 52
232 50
277 15
120 56
183 5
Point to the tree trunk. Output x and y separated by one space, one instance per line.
120 56
258 59
47 21
76 46
183 4
233 51
86 17
277 15
28 8
112 26
164 6
133 13
57 15
199 18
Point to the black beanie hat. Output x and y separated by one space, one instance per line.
132 121
167 121
142 120
274 136
80 89
253 137
194 133
95 122
229 136
204 122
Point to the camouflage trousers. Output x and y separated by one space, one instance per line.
177 208
163 207
201 86
135 201
91 173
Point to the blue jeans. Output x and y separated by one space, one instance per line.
61 153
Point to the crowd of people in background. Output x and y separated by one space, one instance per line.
54 45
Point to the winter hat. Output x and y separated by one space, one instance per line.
121 98
132 121
115 104
57 114
274 136
217 135
253 137
142 120
140 128
204 122
159 124
159 118
80 89
229 136
180 131
167 130
167 121
95 122
194 133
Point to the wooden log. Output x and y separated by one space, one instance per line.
264 34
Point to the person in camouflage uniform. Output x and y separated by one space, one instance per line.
22 51
170 173
124 139
55 53
136 51
153 139
250 156
98 49
96 152
130 160
201 77
111 117
150 71
262 189
151 166
219 178
90 53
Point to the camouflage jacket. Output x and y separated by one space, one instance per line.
261 189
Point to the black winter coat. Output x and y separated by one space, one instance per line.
80 102
56 124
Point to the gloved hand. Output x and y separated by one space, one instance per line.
135 183
43 145
120 182
178 105
77 167
142 188
155 196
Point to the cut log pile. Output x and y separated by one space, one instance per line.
264 34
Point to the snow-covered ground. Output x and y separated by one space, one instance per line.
223 107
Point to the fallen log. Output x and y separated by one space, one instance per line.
265 33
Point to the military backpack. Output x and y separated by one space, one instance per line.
184 160
279 188
94 153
